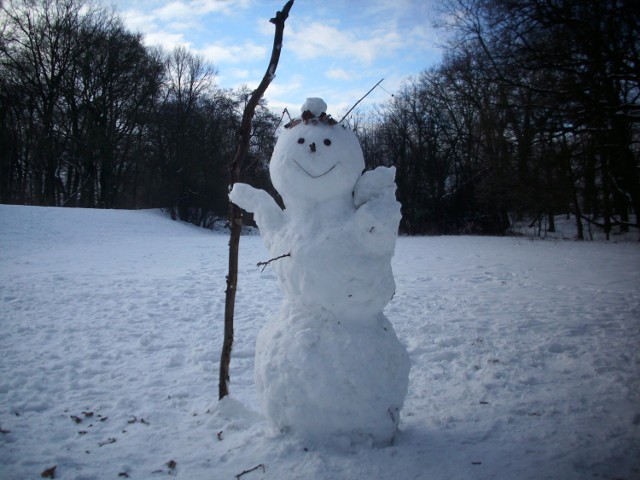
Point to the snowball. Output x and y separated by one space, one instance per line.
312 163
314 105
351 383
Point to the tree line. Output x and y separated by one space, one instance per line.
91 117
533 112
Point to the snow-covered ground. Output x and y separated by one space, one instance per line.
525 356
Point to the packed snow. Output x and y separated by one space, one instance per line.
524 356
330 350
315 106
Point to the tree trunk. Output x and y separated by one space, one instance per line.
235 214
566 157
552 221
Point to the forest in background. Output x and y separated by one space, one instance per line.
533 112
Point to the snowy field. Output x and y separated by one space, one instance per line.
525 356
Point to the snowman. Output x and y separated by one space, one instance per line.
329 367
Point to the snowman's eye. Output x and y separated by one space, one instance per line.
301 140
327 142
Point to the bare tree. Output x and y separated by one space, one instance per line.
78 87
571 73
38 50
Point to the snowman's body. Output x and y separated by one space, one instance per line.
329 365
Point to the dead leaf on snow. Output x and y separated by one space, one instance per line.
49 472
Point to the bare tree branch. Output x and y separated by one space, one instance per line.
235 214
264 264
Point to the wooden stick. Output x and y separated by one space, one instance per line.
235 214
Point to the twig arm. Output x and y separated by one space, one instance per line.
265 264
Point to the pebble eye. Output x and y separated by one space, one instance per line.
301 140
327 142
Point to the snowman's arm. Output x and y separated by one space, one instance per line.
267 214
375 184
377 187
377 210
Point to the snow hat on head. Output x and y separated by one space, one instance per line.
314 111
314 106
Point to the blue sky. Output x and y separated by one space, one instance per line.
334 49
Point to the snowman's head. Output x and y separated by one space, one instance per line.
315 158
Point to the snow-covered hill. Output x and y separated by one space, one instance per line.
525 356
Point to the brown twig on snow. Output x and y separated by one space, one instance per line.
251 470
264 264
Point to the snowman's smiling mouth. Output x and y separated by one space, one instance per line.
314 176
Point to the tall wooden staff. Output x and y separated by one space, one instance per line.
235 215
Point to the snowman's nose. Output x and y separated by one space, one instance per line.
312 147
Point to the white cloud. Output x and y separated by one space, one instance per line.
280 95
321 40
333 49
174 10
294 84
224 53
177 15
170 23
339 74
165 39
179 9
138 21
238 73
